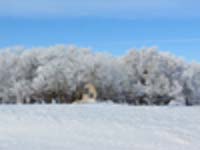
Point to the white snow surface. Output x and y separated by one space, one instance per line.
98 127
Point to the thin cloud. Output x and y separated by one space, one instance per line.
103 8
155 41
186 40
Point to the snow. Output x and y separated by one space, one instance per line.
98 126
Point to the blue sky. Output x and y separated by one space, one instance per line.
103 25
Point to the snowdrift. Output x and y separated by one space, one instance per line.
89 127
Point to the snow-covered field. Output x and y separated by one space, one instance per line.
99 127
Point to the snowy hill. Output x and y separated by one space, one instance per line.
99 127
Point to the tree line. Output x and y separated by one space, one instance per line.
140 77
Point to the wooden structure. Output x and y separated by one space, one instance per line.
87 95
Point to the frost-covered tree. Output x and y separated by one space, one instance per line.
191 84
154 76
8 62
146 76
